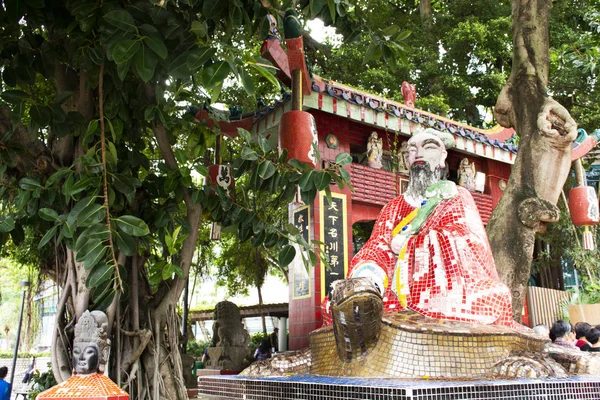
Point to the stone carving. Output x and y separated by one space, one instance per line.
374 151
91 348
229 348
466 175
91 344
409 93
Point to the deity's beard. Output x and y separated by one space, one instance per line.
421 176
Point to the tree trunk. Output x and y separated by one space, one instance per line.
546 132
426 14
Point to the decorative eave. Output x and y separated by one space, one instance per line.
386 114
341 100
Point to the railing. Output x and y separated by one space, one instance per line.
376 186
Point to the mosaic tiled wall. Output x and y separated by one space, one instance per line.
326 388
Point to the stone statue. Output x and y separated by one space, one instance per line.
229 348
91 348
374 151
409 93
423 298
91 345
466 175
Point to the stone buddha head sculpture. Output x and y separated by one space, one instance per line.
91 345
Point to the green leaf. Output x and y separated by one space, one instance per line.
91 215
123 69
244 134
266 74
92 258
307 180
264 144
214 74
62 97
322 180
343 159
197 58
7 224
83 184
144 64
155 44
178 68
92 128
249 154
99 275
95 233
41 115
266 169
29 184
345 175
81 204
48 214
14 96
124 50
247 82
286 255
213 9
121 19
88 247
126 244
199 28
48 236
57 176
132 225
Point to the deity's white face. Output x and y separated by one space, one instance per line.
426 149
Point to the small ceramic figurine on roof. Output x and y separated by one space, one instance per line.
374 151
466 175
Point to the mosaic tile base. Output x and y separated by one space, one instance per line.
413 346
309 387
88 387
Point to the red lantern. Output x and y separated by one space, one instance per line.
583 206
298 135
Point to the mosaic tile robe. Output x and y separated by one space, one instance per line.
449 264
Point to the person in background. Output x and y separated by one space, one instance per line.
263 351
542 330
29 372
205 356
581 329
562 335
4 386
274 340
593 338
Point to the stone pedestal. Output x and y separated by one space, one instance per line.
233 358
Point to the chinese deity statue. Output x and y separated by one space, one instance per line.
374 151
466 175
423 297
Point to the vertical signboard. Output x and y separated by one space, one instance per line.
334 235
300 278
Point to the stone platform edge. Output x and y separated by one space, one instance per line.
310 387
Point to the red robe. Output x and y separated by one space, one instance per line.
451 271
